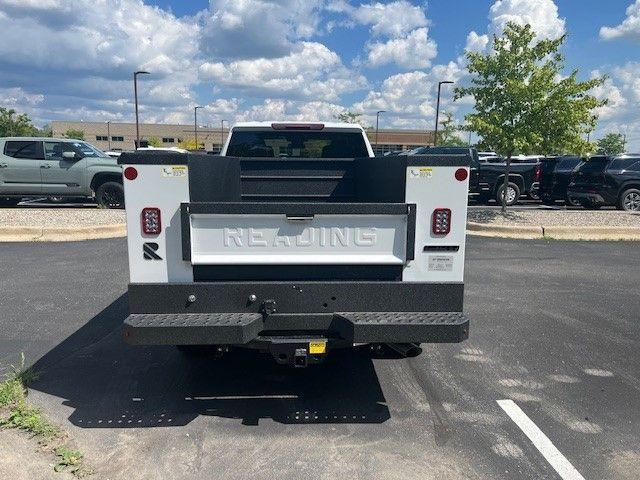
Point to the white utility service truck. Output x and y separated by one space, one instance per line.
295 240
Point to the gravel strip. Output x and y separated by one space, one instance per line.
556 218
59 217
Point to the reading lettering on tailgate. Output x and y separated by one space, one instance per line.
319 237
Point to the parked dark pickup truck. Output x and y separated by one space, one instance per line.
556 174
487 177
610 181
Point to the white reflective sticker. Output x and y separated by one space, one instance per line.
174 171
440 263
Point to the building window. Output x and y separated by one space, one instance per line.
117 139
102 138
168 140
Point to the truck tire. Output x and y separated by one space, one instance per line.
570 201
9 201
630 200
513 194
110 195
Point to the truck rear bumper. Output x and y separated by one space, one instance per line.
347 312
345 328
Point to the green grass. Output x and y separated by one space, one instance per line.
16 413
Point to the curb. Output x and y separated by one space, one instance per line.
554 232
60 234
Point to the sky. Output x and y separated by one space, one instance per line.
293 59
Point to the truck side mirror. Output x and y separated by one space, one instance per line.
69 155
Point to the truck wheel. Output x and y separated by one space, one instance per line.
570 201
110 195
9 201
513 194
630 200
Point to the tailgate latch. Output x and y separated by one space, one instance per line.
299 218
269 307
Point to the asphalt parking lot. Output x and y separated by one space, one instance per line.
555 329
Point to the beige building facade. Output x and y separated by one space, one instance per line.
121 136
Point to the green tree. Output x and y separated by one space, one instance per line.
523 102
611 144
45 131
75 134
352 117
154 142
448 134
190 144
12 125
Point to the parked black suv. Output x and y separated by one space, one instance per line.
604 181
555 176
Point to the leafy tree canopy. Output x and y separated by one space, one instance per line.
154 142
75 134
611 144
12 125
523 102
448 134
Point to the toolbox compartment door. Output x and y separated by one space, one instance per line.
298 234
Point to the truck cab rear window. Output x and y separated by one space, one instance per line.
24 149
296 144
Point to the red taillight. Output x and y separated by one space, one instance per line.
297 126
441 221
537 173
151 221
461 174
130 173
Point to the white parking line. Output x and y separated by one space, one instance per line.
548 450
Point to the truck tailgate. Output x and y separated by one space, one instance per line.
286 234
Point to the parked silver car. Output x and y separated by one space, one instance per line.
57 167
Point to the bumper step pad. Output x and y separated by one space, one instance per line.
403 327
192 328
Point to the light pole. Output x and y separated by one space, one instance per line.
195 125
435 134
135 95
109 135
222 133
377 122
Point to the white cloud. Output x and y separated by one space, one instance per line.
240 29
409 99
310 71
542 15
16 96
622 90
629 28
476 43
611 92
279 109
393 19
416 50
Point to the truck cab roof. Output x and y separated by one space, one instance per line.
320 125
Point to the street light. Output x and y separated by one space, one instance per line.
109 134
222 133
377 122
435 134
135 94
195 124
